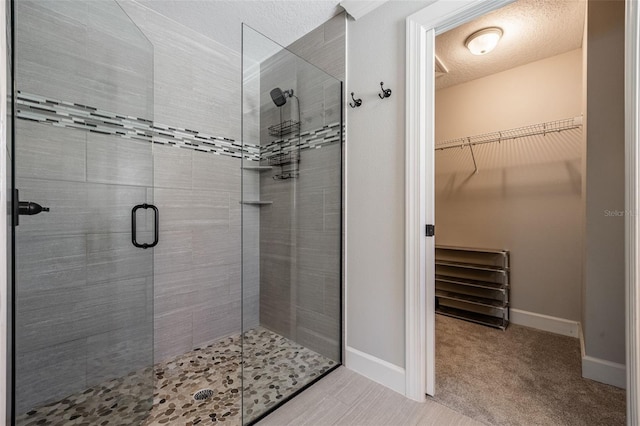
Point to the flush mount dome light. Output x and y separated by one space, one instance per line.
483 41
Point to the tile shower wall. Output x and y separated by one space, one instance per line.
251 213
324 47
198 260
300 231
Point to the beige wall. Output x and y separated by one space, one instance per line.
544 90
583 166
526 196
604 324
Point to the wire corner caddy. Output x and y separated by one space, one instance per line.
511 134
285 128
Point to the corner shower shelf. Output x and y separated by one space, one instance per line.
473 284
256 203
258 168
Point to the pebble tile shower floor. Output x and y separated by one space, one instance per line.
275 367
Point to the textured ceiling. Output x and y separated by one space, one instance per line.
533 30
220 20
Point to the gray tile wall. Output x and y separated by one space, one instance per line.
300 240
251 191
83 292
85 52
324 47
198 260
196 81
300 252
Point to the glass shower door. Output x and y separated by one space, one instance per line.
291 224
84 252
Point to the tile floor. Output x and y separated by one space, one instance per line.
345 398
275 367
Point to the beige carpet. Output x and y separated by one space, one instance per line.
520 376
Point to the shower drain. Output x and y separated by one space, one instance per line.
202 394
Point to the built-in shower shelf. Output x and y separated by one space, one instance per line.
256 203
258 168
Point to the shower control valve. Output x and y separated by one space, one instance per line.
30 208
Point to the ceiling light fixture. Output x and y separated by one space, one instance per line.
483 41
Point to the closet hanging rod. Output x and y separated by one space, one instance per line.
505 135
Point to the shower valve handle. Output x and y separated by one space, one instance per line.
27 208
30 208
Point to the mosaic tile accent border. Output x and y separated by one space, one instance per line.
73 115
313 139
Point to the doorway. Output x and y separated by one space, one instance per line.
508 181
422 29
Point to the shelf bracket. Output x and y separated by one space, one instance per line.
473 157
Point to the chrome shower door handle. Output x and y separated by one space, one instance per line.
155 230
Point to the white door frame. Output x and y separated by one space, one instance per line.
422 27
632 205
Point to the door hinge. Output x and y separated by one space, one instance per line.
431 230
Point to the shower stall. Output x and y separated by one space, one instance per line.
178 249
291 222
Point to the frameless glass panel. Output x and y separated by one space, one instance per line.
292 139
84 292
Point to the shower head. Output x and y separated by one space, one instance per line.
279 97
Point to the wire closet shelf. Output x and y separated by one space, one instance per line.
506 135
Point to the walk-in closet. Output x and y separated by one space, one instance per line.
510 190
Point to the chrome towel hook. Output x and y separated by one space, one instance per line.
385 92
356 102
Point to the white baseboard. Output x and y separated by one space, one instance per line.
376 369
545 322
603 371
600 370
